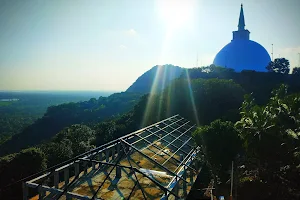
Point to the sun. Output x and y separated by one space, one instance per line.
175 13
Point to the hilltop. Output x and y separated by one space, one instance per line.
159 75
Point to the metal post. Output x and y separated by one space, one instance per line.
107 155
272 53
184 187
176 190
166 195
42 193
100 156
191 177
100 159
196 164
231 186
118 149
94 165
66 175
56 179
118 172
181 157
85 166
113 153
76 168
25 191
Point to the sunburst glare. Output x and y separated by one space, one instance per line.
151 99
192 96
175 13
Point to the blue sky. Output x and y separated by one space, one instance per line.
107 44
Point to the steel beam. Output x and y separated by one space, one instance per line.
50 171
163 167
159 129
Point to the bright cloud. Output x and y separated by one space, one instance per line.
122 46
131 32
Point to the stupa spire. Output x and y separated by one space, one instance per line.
241 25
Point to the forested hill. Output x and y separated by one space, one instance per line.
205 95
58 117
158 76
260 84
20 109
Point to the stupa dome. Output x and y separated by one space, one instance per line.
242 53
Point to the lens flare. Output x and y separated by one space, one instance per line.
151 104
192 96
175 13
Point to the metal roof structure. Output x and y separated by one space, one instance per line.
156 162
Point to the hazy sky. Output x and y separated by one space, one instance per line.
107 44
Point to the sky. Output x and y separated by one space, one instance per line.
107 44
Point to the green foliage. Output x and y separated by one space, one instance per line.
68 143
105 132
5 103
220 144
115 128
279 117
216 70
27 108
78 135
208 72
260 84
271 139
267 124
12 123
58 117
20 165
296 70
199 100
34 155
279 65
58 152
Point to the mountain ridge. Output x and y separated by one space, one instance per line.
155 79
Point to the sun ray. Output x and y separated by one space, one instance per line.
151 98
163 81
192 96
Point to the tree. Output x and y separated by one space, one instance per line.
80 137
296 70
220 144
280 65
16 166
105 132
199 100
271 137
69 142
216 69
58 152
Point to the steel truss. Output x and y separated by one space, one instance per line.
122 148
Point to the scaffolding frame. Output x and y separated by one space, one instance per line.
176 128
